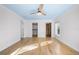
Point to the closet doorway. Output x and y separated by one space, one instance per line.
34 29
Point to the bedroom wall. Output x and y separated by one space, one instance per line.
9 28
69 27
41 27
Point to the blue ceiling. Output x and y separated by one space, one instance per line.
25 10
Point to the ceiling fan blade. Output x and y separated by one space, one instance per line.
40 8
43 13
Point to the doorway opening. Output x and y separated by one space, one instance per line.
48 29
34 29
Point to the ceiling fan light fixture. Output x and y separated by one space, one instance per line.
38 14
40 11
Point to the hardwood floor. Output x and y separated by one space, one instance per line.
39 46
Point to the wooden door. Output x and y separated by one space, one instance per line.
48 29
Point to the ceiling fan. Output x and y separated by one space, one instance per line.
40 11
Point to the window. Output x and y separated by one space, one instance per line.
57 28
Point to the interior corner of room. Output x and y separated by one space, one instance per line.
20 31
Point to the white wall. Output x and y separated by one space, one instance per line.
9 27
69 26
41 27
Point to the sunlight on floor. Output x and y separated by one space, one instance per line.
57 49
30 47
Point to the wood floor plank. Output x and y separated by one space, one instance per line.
39 46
